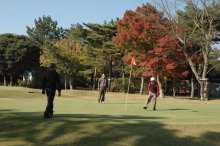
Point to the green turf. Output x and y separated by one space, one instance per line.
80 120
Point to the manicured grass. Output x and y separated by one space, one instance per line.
80 120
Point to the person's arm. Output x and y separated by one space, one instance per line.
58 85
43 84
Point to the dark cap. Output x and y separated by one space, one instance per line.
53 65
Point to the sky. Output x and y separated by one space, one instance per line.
15 15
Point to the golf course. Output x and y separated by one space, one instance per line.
79 120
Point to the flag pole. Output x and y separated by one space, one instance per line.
129 81
133 62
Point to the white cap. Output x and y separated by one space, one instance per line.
152 79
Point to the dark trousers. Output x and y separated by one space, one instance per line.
154 96
101 94
50 99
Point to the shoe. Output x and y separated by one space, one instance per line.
145 107
154 109
51 114
103 102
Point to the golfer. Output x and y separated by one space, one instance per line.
102 87
153 89
51 82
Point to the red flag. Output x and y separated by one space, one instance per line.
133 62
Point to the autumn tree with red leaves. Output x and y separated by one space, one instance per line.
199 21
145 30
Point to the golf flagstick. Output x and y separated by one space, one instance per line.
106 96
129 81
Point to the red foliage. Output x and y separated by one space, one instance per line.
152 62
170 66
159 50
197 59
184 74
149 74
180 29
146 30
139 28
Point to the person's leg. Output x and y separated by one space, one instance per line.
50 98
100 95
46 113
148 100
52 95
103 94
154 101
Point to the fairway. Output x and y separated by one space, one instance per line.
80 120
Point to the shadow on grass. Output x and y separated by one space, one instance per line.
174 109
177 109
120 103
92 130
93 117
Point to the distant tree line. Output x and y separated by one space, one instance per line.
170 48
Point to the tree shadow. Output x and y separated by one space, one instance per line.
93 129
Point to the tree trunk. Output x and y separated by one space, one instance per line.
94 80
71 83
65 81
110 73
142 85
192 88
200 79
204 90
160 87
174 87
11 80
123 78
5 81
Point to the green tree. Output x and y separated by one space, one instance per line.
18 54
77 32
68 54
101 52
45 29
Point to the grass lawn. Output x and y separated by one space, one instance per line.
80 120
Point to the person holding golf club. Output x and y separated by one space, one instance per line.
102 87
51 83
153 89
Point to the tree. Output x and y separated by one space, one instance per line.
45 29
101 52
140 31
68 54
197 24
139 69
77 32
18 54
166 60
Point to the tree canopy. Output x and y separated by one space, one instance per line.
18 54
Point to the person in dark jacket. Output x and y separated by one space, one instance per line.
102 87
153 89
51 83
